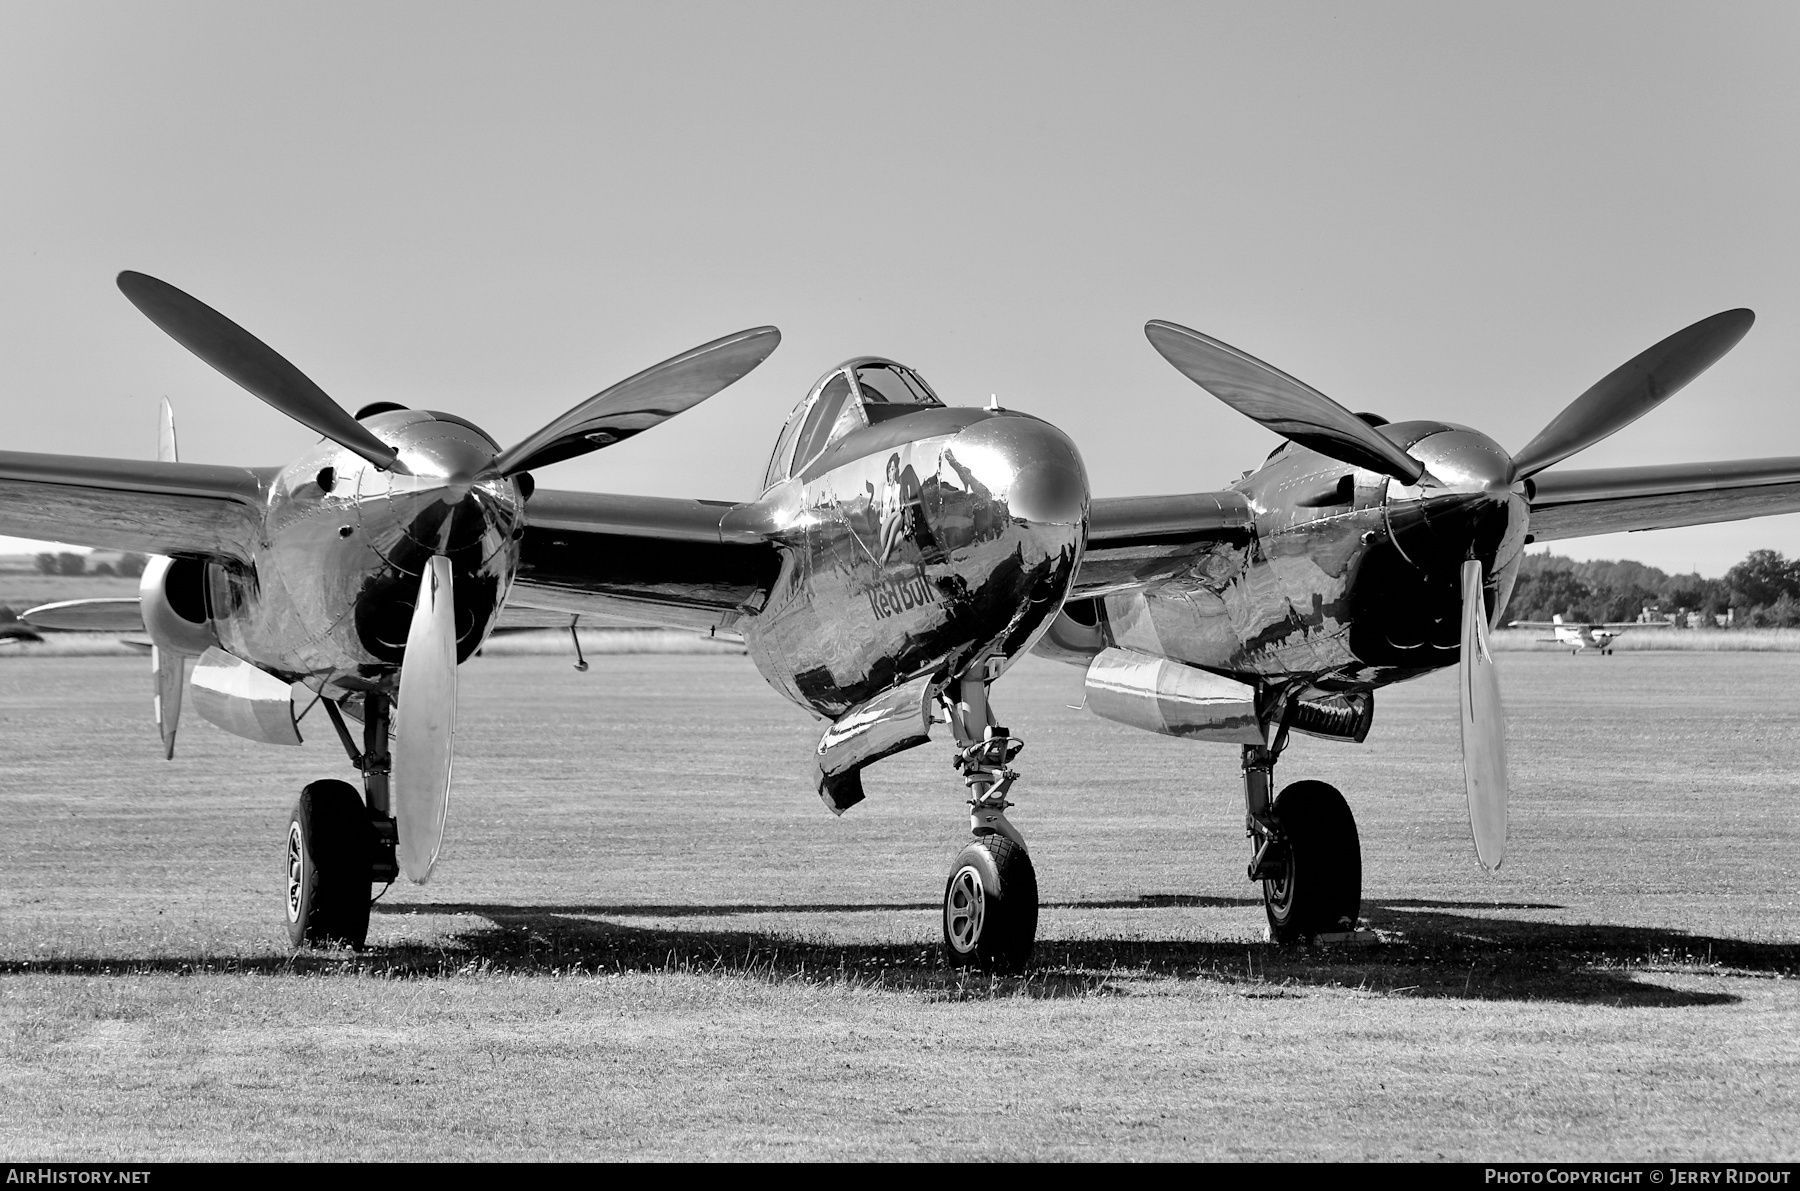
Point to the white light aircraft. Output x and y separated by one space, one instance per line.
1580 635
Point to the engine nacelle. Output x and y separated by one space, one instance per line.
172 594
1076 636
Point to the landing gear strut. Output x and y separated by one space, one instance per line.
338 843
1307 857
991 896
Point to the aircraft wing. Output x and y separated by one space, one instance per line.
130 504
1137 540
637 560
1574 504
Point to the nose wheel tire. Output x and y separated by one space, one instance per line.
1321 890
990 905
330 848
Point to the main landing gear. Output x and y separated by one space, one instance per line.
338 844
991 896
1307 857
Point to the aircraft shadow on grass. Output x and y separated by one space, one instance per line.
1430 948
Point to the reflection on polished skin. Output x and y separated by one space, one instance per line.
1351 595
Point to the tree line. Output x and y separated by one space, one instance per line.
1763 591
130 566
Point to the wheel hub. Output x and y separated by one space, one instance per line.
964 908
295 861
1278 892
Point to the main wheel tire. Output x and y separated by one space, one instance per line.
1321 891
330 847
990 905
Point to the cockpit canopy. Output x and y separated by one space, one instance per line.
855 394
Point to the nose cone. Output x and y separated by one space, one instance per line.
444 457
1028 465
1018 486
1468 498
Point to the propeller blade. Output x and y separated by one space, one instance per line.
1483 726
166 450
253 364
1634 389
635 405
425 724
170 669
1291 408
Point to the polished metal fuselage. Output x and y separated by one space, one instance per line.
922 545
1329 596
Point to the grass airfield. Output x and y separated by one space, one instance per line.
648 939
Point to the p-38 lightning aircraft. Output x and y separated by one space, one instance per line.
902 556
1585 634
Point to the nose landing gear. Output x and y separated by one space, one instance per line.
991 896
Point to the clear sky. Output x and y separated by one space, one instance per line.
1463 211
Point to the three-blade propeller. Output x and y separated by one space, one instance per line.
1306 416
630 407
425 712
